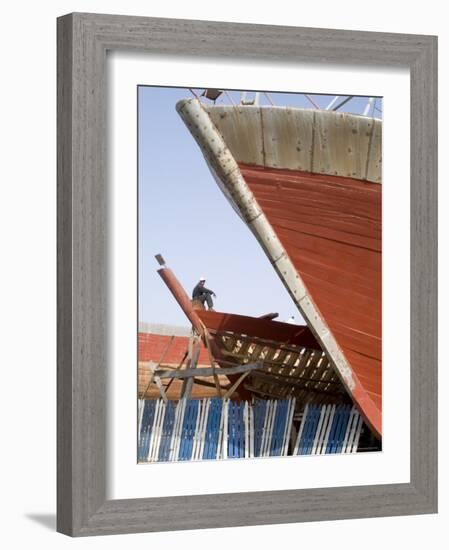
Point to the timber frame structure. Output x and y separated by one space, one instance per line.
273 359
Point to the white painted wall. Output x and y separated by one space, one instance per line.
27 300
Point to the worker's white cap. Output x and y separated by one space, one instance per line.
202 278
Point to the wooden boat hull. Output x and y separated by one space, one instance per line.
308 185
331 229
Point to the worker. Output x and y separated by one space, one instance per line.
203 294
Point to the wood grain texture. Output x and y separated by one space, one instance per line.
331 228
424 276
283 333
64 279
318 141
83 40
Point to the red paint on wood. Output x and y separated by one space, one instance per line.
191 312
152 346
331 228
180 296
257 327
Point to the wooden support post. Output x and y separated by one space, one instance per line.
161 388
211 359
194 372
189 360
151 367
236 384
204 383
177 368
187 386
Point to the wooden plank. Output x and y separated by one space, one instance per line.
357 435
159 405
320 429
153 430
220 419
140 408
262 392
348 430
262 342
203 428
351 430
211 431
303 362
177 368
333 431
168 432
289 426
236 384
158 383
341 436
182 409
191 434
205 383
247 428
306 420
159 427
274 405
265 428
207 339
144 435
223 371
278 425
301 430
151 367
182 435
299 382
263 329
151 435
329 427
196 431
225 428
231 429
187 386
242 428
208 412
251 432
340 432
313 424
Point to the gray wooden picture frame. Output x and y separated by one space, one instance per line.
83 40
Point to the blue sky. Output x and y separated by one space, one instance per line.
184 216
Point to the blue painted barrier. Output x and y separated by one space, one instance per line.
193 429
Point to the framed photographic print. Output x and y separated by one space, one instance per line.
247 381
247 274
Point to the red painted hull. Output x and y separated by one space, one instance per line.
331 228
255 327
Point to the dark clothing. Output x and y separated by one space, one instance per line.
203 294
205 298
199 289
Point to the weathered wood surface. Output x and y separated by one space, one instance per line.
303 372
201 388
265 329
228 173
331 228
190 373
316 141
